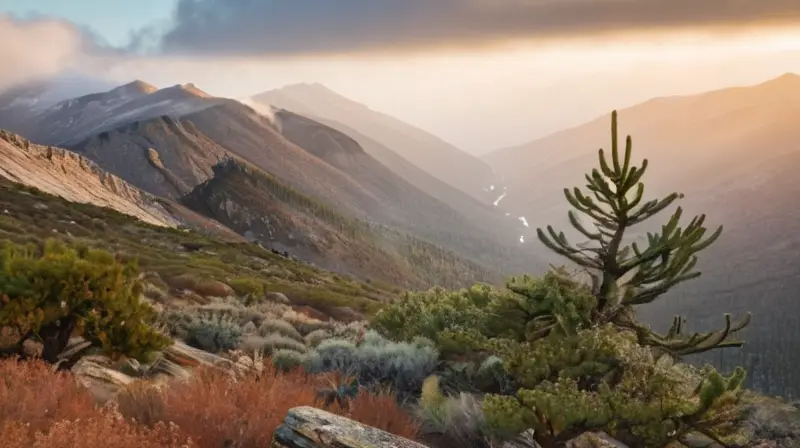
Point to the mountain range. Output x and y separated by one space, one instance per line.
307 171
168 141
423 149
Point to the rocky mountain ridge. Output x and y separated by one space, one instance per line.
77 179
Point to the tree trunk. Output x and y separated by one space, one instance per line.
55 338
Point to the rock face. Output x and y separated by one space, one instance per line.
307 427
77 179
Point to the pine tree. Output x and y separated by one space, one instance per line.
624 276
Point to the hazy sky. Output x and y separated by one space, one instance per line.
480 73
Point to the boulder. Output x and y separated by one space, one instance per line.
102 381
307 427
595 440
278 297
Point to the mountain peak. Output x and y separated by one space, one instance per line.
138 86
192 89
308 87
786 80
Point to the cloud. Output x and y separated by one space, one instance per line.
287 27
37 48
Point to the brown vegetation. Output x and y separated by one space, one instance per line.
39 408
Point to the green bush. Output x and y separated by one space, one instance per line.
248 287
270 326
377 361
307 326
249 328
53 292
286 360
316 337
602 379
214 334
429 313
277 341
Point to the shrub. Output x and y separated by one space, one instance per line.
270 326
602 379
275 341
249 328
305 324
214 334
55 292
142 402
32 393
105 430
459 419
429 313
377 361
380 410
248 286
316 337
287 360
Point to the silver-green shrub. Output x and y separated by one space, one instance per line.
377 361
286 360
213 334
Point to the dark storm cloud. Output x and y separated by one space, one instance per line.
253 27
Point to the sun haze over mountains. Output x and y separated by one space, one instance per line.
332 156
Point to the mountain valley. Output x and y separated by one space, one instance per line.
305 171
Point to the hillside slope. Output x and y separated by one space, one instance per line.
257 205
75 178
326 164
174 261
477 211
697 142
162 156
441 159
166 142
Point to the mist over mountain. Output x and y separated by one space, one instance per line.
419 147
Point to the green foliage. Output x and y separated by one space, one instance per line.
281 327
316 337
248 287
52 292
602 379
429 314
286 360
276 341
627 275
534 347
377 361
214 334
538 307
34 216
